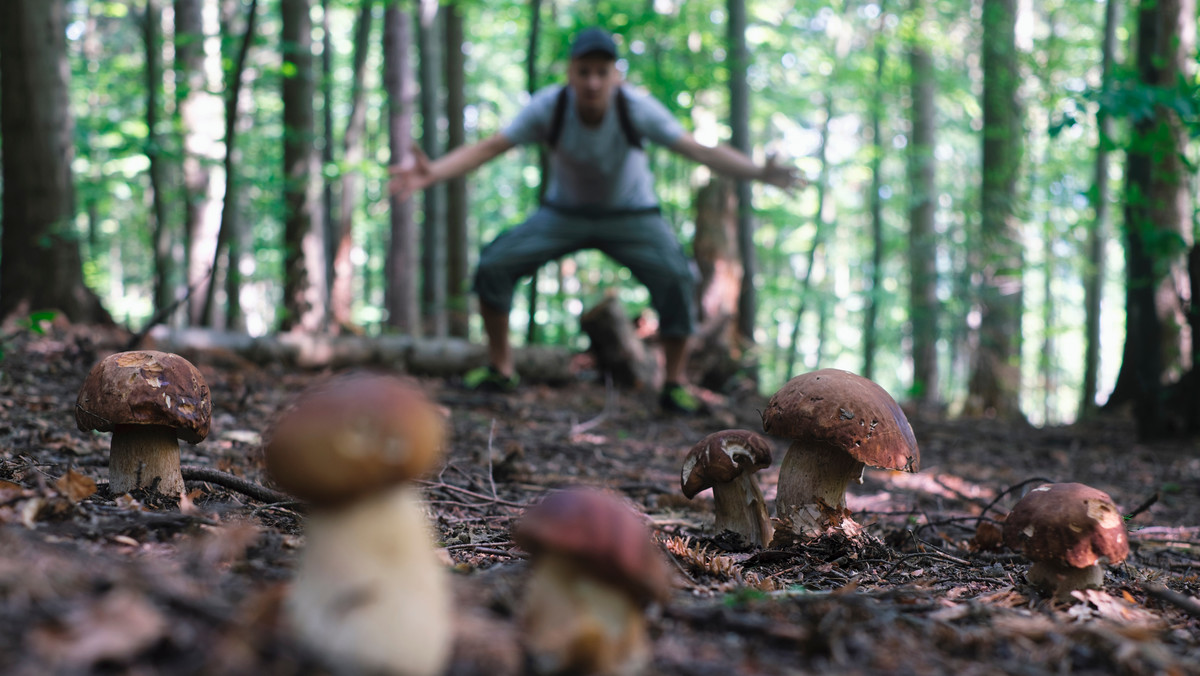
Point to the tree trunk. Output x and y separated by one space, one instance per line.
1097 238
327 159
871 313
400 271
1158 221
433 244
716 353
304 259
457 242
200 115
231 224
922 245
995 382
342 295
739 124
531 85
40 264
161 235
618 351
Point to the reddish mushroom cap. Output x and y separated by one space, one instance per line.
606 538
145 387
1067 523
845 411
722 457
353 436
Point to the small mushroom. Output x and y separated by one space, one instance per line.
369 589
726 462
148 400
1069 531
595 568
839 424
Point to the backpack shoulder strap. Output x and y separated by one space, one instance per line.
631 134
556 120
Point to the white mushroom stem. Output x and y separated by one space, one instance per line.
141 455
742 509
370 590
573 623
813 474
1060 580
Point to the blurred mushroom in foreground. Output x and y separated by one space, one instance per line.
1069 531
148 400
595 569
369 591
726 462
839 423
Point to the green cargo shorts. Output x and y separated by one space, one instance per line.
642 242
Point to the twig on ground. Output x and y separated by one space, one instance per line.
609 399
1147 504
1186 603
491 476
437 485
235 483
1005 492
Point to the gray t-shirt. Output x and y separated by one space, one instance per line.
595 167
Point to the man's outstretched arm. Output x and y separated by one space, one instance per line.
731 162
412 177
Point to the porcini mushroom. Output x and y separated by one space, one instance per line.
594 571
839 423
369 590
726 462
148 400
1069 531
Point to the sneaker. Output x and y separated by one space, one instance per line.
488 379
676 398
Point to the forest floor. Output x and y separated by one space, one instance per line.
91 582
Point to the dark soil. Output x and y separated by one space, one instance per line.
91 582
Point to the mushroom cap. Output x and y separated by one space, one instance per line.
602 535
352 436
845 411
722 457
1068 523
145 387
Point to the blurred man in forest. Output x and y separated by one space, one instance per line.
600 195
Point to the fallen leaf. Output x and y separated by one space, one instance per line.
75 486
10 486
114 628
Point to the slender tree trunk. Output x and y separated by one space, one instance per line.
353 154
457 240
995 382
871 315
401 294
40 264
200 115
531 85
1158 222
304 260
739 124
161 235
327 159
922 245
1093 276
433 249
230 221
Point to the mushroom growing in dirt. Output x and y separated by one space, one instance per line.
726 462
148 400
595 568
1069 531
369 589
839 423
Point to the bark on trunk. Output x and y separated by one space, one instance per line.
617 349
400 269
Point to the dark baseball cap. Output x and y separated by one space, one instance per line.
593 41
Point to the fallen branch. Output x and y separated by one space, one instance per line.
1186 603
234 483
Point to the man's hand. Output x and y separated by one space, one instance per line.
410 176
781 176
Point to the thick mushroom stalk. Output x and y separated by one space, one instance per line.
370 590
839 423
594 571
148 400
369 593
726 462
1069 531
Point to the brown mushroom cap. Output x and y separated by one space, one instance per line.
845 411
1068 523
602 535
353 436
722 457
145 387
